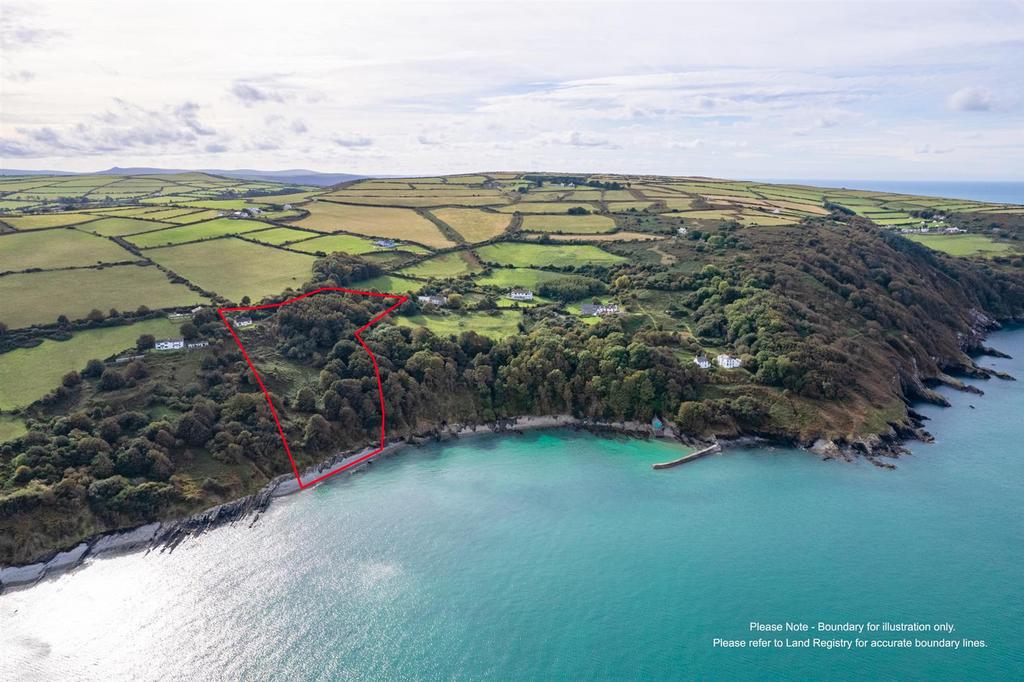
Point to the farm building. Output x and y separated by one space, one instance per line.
169 344
243 322
728 361
127 358
589 309
521 295
439 301
385 243
192 345
702 362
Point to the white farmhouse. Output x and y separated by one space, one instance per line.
728 361
702 362
169 344
437 300
521 295
243 322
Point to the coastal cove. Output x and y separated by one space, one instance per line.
420 566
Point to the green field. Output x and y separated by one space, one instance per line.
961 244
118 227
282 199
190 217
389 284
279 235
528 278
622 236
124 211
37 222
346 243
28 374
497 325
57 249
454 264
221 227
473 224
234 268
557 208
43 296
185 214
11 427
575 224
526 255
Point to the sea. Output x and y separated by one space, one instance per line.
560 555
1000 192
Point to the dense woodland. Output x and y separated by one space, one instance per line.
824 314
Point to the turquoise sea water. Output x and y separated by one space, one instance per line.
565 556
1001 192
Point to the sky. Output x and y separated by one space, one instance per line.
881 90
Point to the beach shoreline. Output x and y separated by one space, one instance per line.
166 535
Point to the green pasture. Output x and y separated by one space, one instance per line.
525 255
28 374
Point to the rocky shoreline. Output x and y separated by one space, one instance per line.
167 535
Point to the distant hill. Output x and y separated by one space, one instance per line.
297 176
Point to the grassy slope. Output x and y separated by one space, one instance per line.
961 244
28 374
43 296
50 249
235 268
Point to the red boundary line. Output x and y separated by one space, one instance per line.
359 338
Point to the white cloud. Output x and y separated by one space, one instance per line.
122 128
578 138
929 149
354 141
971 99
383 88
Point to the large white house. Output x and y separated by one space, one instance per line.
169 344
439 301
521 295
728 361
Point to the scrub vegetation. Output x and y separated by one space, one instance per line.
838 318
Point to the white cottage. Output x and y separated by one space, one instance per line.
521 295
169 344
728 361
